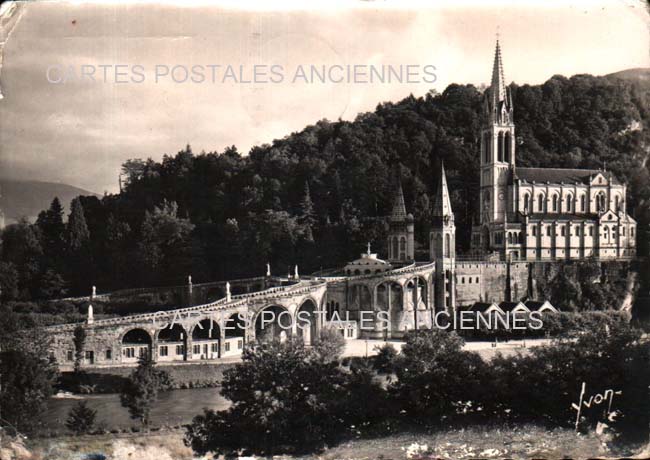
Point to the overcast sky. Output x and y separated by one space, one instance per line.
81 131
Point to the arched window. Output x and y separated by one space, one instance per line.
541 201
554 201
616 203
527 203
548 231
500 146
509 237
606 233
583 203
600 201
508 147
395 251
447 245
402 248
569 203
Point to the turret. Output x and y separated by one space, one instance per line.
401 229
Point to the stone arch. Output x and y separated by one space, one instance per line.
235 326
136 343
307 321
206 339
273 323
171 342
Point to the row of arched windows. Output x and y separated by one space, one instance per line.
567 205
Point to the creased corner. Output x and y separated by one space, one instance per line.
10 14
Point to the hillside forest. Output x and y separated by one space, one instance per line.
316 197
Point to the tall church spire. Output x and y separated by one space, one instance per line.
441 201
500 103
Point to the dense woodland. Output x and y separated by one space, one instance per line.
315 197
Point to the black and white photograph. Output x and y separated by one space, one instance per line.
344 230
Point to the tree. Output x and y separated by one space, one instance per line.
434 374
78 234
284 396
329 344
27 380
52 228
81 418
141 390
79 343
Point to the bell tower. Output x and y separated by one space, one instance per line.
497 147
442 244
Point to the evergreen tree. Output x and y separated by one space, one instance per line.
142 388
307 214
79 343
81 418
52 229
78 234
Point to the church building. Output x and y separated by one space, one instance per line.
543 213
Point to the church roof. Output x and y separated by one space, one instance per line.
559 175
441 202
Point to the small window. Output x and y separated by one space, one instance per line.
109 354
548 231
470 280
240 344
477 279
197 349
227 346
70 356
534 231
562 230
214 347
577 231
164 351
591 231
179 350
632 231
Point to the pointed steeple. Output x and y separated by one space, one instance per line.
398 211
500 103
441 202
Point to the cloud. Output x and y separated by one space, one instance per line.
80 132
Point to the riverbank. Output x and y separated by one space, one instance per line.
518 442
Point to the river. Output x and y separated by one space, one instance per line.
172 408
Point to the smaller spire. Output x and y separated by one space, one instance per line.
441 202
399 207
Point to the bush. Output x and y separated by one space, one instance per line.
384 360
286 398
81 418
543 385
435 376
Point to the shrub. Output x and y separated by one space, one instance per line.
384 360
81 418
285 398
434 374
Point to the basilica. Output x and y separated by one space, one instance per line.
543 213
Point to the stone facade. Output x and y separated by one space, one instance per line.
544 213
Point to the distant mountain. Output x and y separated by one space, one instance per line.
640 74
23 198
